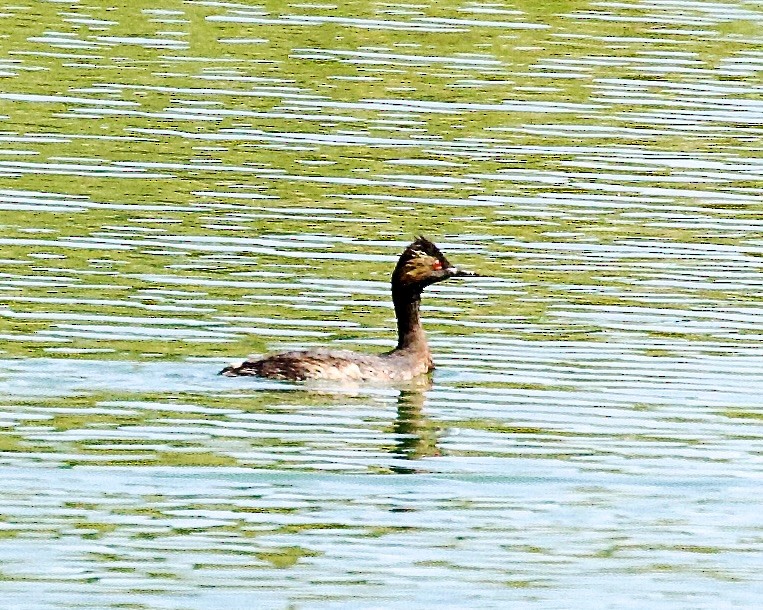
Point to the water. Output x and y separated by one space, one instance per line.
182 184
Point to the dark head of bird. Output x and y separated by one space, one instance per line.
422 264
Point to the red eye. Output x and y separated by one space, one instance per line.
437 265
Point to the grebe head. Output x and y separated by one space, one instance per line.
422 264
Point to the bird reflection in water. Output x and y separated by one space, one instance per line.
416 434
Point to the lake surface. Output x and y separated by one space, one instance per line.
185 183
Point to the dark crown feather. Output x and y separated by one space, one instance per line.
421 245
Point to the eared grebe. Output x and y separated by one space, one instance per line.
420 265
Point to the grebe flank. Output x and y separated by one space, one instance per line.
420 265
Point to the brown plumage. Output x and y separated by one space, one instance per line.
420 265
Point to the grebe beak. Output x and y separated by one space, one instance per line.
456 272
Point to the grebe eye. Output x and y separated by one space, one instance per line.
437 265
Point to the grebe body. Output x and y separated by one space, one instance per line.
420 265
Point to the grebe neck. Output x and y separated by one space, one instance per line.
410 333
